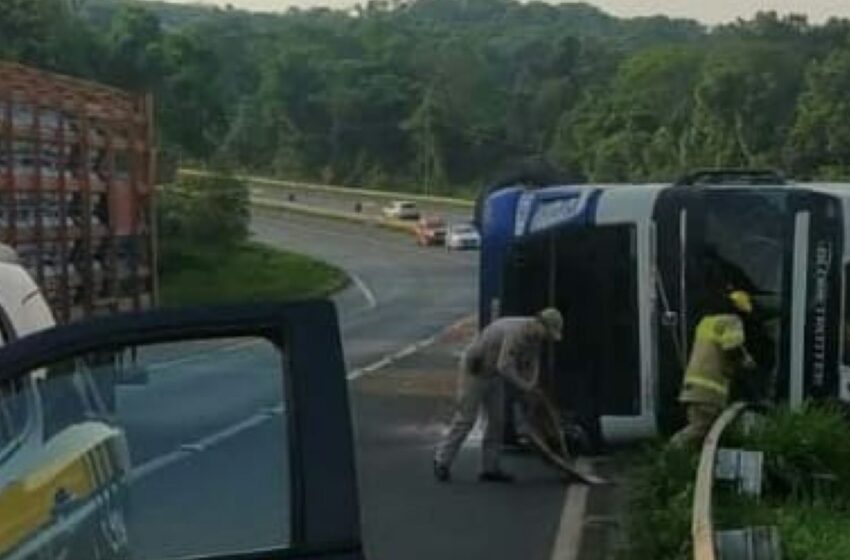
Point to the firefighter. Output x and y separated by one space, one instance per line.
507 350
719 350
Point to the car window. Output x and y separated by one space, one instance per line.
13 406
13 416
183 447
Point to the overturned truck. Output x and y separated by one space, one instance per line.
631 265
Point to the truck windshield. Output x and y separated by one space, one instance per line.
744 237
743 242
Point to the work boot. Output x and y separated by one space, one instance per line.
442 473
496 476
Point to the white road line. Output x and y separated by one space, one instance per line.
571 527
148 468
403 353
364 289
201 354
187 450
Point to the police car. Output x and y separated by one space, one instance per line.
63 465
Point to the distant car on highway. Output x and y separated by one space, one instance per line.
463 236
431 230
401 210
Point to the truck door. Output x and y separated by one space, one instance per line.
677 218
238 445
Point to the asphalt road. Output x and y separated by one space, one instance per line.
208 432
401 293
418 292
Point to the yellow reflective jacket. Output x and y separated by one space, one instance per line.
710 368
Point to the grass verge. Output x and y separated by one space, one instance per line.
806 492
247 272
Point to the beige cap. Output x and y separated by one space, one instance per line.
553 321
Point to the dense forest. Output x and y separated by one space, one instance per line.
434 95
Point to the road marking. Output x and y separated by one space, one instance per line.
408 350
265 414
148 468
187 450
364 289
201 354
571 527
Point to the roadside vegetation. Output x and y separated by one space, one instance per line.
806 492
206 255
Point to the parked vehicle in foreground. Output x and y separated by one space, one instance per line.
430 230
401 210
54 426
462 236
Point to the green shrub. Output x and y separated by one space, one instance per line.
813 532
207 214
807 454
806 494
660 504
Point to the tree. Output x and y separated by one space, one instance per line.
744 105
133 40
635 129
820 139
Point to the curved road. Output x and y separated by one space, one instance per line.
401 293
407 293
208 431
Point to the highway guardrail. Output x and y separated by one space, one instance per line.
744 468
337 190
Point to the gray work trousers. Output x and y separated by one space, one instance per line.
476 394
701 417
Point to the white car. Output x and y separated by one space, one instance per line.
463 236
401 210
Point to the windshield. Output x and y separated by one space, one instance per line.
744 248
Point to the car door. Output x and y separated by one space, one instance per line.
233 441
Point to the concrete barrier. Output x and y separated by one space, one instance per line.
346 191
274 204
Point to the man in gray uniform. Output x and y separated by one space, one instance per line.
507 350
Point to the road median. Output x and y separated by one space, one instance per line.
334 189
274 204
